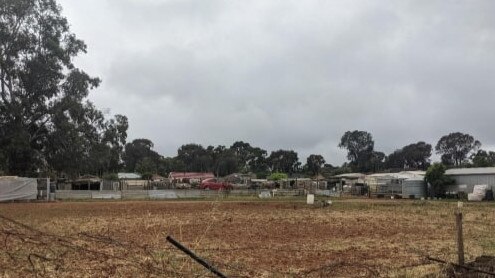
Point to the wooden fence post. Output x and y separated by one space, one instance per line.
460 241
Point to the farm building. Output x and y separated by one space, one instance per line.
467 178
158 178
128 176
407 184
129 181
189 177
17 188
353 183
86 183
295 183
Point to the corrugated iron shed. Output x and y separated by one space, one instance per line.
471 171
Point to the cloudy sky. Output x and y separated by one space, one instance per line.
291 74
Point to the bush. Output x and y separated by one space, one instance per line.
111 176
277 176
435 176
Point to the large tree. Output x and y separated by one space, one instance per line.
196 158
483 158
81 141
285 161
456 147
412 156
140 151
242 152
257 161
249 158
314 163
225 161
45 121
359 146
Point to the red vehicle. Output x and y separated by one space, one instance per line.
214 184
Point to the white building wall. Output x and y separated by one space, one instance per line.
472 180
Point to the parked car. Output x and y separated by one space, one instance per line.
214 184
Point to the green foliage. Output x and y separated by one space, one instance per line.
314 163
284 161
111 176
277 176
222 161
195 157
146 165
412 156
435 176
147 175
262 175
483 159
360 150
45 124
140 151
456 147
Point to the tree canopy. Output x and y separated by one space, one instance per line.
483 158
285 161
45 122
435 176
455 148
413 156
314 163
360 147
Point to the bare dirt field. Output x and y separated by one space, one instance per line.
243 238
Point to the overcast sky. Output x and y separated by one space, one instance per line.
291 74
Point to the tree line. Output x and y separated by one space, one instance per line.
455 149
49 127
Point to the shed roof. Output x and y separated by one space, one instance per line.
350 175
87 179
190 175
129 176
471 171
404 175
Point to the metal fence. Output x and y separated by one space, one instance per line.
166 194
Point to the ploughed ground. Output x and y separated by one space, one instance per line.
242 238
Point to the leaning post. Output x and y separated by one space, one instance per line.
195 257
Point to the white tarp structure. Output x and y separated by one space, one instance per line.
265 194
479 192
17 188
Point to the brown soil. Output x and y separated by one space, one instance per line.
243 239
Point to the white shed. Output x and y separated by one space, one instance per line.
467 178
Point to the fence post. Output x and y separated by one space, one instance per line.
460 241
48 189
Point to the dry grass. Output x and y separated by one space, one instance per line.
243 238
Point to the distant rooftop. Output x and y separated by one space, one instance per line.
404 175
128 176
350 175
471 171
190 175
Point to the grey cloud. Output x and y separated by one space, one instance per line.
292 74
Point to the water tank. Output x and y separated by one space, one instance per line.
414 188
